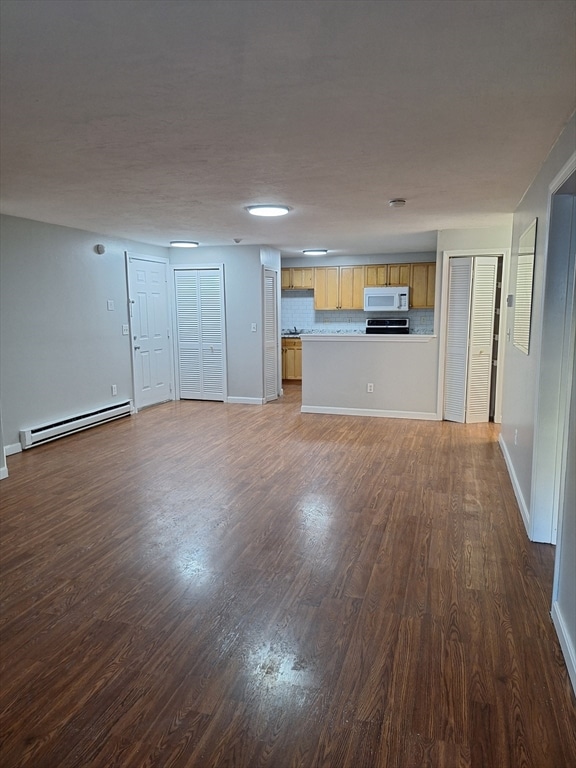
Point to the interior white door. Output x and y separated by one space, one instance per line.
150 329
480 339
456 362
200 340
271 373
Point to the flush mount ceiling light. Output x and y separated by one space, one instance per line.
183 244
268 210
397 202
315 252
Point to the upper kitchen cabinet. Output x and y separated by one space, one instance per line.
339 287
422 285
380 275
298 278
398 274
376 275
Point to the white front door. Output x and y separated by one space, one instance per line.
149 327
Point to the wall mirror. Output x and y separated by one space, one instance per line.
524 278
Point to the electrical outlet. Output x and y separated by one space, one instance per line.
370 387
114 389
125 330
254 328
515 437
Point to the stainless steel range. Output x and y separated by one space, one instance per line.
388 325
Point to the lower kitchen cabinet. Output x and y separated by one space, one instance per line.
292 359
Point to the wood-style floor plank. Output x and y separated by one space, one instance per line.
207 585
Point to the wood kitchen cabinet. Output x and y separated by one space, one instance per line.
399 274
376 275
380 275
297 278
292 359
422 285
339 287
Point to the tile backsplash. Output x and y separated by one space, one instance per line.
298 310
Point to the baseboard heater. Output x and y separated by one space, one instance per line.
46 432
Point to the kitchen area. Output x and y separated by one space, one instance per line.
327 315
356 356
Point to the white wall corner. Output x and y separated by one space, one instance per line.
566 643
10 450
524 511
3 473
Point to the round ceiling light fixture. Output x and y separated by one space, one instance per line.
268 210
397 202
315 252
183 244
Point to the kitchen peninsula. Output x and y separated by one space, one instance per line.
338 369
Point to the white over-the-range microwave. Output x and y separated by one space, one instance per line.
392 298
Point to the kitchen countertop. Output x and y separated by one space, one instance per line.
318 334
407 338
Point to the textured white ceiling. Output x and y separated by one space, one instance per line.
161 120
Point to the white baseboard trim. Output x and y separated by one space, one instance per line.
566 643
3 473
524 511
422 416
246 400
10 450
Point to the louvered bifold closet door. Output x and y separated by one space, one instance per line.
211 330
199 334
481 338
188 333
270 336
456 364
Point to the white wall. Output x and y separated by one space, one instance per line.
485 238
564 601
336 370
3 466
243 299
520 442
61 349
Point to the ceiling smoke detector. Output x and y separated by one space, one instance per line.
397 202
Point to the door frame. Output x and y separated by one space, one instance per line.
548 448
169 313
278 334
504 253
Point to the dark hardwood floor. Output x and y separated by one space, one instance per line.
207 585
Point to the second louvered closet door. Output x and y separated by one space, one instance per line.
469 338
